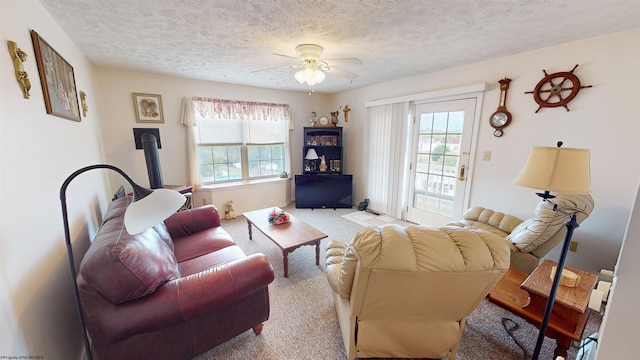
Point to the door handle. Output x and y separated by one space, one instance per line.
462 170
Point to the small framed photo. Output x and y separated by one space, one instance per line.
148 108
58 81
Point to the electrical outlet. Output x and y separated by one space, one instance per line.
573 246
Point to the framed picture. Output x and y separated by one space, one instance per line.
148 108
58 80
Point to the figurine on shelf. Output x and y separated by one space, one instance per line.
334 117
313 119
229 213
323 163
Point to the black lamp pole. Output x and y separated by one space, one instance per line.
571 224
139 193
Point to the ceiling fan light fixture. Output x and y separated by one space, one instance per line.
310 75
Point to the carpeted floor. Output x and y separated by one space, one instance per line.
303 323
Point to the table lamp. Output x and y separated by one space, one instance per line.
562 170
313 156
149 208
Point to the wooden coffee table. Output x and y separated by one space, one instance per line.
526 296
288 237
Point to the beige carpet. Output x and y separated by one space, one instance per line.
303 322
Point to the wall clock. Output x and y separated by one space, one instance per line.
557 89
501 117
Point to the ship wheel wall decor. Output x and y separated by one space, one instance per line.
557 89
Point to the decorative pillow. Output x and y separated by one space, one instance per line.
123 267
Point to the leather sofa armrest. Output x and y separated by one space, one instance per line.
227 283
191 221
185 298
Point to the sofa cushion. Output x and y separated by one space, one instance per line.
546 222
201 243
123 267
486 219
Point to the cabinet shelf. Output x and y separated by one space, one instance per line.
326 143
323 189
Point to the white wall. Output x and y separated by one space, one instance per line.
622 316
602 118
38 151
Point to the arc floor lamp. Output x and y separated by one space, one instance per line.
149 207
560 170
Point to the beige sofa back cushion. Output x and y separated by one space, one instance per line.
546 222
419 248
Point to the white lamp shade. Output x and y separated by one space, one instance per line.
152 210
311 155
556 169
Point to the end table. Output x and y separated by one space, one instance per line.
526 296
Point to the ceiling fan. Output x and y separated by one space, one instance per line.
313 68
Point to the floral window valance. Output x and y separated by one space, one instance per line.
233 109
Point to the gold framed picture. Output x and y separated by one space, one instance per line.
148 108
57 79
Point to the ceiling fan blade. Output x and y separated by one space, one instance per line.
343 61
343 73
277 68
287 56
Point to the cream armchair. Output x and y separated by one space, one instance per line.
532 239
406 293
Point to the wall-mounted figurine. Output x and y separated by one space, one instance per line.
18 56
346 113
83 102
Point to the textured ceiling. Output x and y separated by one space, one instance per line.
227 40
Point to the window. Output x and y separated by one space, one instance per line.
240 149
217 163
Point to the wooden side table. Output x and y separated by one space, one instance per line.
526 296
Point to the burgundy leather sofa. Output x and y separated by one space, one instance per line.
171 292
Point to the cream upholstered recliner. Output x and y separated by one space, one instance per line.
532 239
407 292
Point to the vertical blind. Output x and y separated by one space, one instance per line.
388 126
